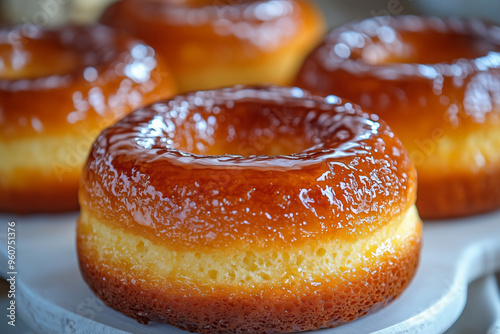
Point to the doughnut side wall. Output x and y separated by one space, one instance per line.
228 243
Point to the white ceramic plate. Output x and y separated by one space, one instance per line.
52 296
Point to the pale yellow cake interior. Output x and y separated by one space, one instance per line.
244 265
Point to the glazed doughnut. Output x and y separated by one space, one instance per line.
216 44
58 90
248 210
437 84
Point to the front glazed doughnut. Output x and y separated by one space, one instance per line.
437 84
248 210
212 44
58 90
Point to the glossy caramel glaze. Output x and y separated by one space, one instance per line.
437 84
58 90
248 210
253 165
98 74
216 44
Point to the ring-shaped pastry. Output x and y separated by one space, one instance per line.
248 209
58 89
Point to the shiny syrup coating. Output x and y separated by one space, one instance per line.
212 44
58 89
58 81
248 165
436 82
407 67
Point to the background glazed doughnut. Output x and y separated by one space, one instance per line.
214 44
248 209
437 84
58 90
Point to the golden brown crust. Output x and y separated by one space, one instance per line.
204 43
75 82
292 307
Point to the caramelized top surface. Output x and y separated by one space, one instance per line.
443 73
52 80
254 165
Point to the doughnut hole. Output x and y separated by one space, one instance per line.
245 131
248 129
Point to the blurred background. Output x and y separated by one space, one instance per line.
57 12
54 12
